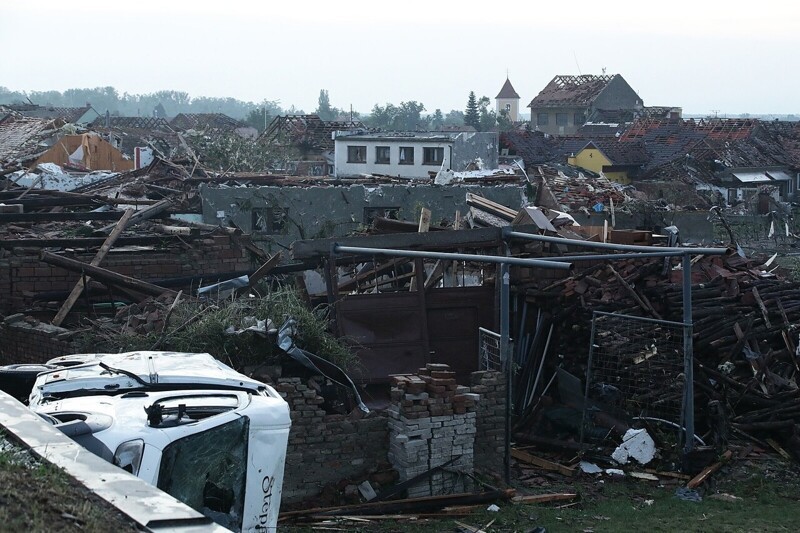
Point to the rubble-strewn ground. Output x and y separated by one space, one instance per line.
35 496
759 493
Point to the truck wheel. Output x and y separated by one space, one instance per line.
17 380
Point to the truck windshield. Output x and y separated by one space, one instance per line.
208 471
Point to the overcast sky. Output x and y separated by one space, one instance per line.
706 56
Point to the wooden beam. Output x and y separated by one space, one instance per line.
92 242
106 276
424 224
707 471
139 216
526 457
544 498
59 217
265 269
98 258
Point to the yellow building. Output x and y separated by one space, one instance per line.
618 161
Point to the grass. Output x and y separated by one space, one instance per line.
37 496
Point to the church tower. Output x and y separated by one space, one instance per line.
508 100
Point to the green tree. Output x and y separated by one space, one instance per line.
454 118
486 117
262 115
409 116
504 122
324 109
471 115
382 117
436 121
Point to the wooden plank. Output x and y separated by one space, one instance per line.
139 216
544 498
707 471
265 269
92 242
106 276
424 225
98 258
531 459
60 217
762 307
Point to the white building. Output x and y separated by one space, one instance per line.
411 154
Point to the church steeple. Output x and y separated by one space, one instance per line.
507 100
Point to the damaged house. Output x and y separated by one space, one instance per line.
306 142
412 154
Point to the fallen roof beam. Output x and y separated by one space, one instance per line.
98 258
106 276
60 217
92 242
139 216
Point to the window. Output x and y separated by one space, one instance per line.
406 155
271 220
542 119
356 154
382 155
578 119
562 119
508 108
207 471
432 156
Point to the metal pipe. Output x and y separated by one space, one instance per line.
612 246
554 264
505 356
603 257
688 356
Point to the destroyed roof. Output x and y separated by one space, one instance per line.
23 139
307 132
533 147
507 91
206 121
68 114
575 189
140 123
618 153
567 91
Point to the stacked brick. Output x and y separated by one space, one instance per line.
327 448
432 421
491 411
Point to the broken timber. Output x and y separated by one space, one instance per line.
98 258
104 275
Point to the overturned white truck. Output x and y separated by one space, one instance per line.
184 422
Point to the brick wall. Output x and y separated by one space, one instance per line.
26 340
491 418
22 272
325 448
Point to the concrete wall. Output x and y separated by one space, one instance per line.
552 127
513 113
333 211
694 226
469 146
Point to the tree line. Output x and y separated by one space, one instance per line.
406 116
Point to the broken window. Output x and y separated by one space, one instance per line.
406 155
382 155
356 154
562 119
432 156
271 220
542 119
383 212
208 471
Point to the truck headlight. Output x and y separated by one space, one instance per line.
129 455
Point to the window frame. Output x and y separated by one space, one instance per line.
357 154
540 122
275 220
562 119
437 151
405 150
383 161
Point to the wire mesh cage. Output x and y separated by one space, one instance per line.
636 370
489 350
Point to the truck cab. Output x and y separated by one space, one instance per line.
184 422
